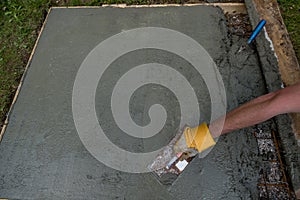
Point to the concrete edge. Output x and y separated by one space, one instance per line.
274 46
226 7
23 77
277 33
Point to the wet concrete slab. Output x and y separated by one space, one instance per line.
41 154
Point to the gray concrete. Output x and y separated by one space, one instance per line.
41 154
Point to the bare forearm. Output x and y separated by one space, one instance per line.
259 110
251 113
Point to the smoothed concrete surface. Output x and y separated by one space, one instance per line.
41 154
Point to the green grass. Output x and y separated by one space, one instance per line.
21 20
290 10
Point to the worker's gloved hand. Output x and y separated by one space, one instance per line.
194 140
189 143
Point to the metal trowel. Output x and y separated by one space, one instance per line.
182 149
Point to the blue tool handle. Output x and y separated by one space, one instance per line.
256 30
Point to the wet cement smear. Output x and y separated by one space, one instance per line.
271 44
41 154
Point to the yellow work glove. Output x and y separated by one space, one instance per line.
198 138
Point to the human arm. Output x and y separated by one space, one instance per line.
286 100
260 109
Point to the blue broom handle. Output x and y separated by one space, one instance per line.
257 29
